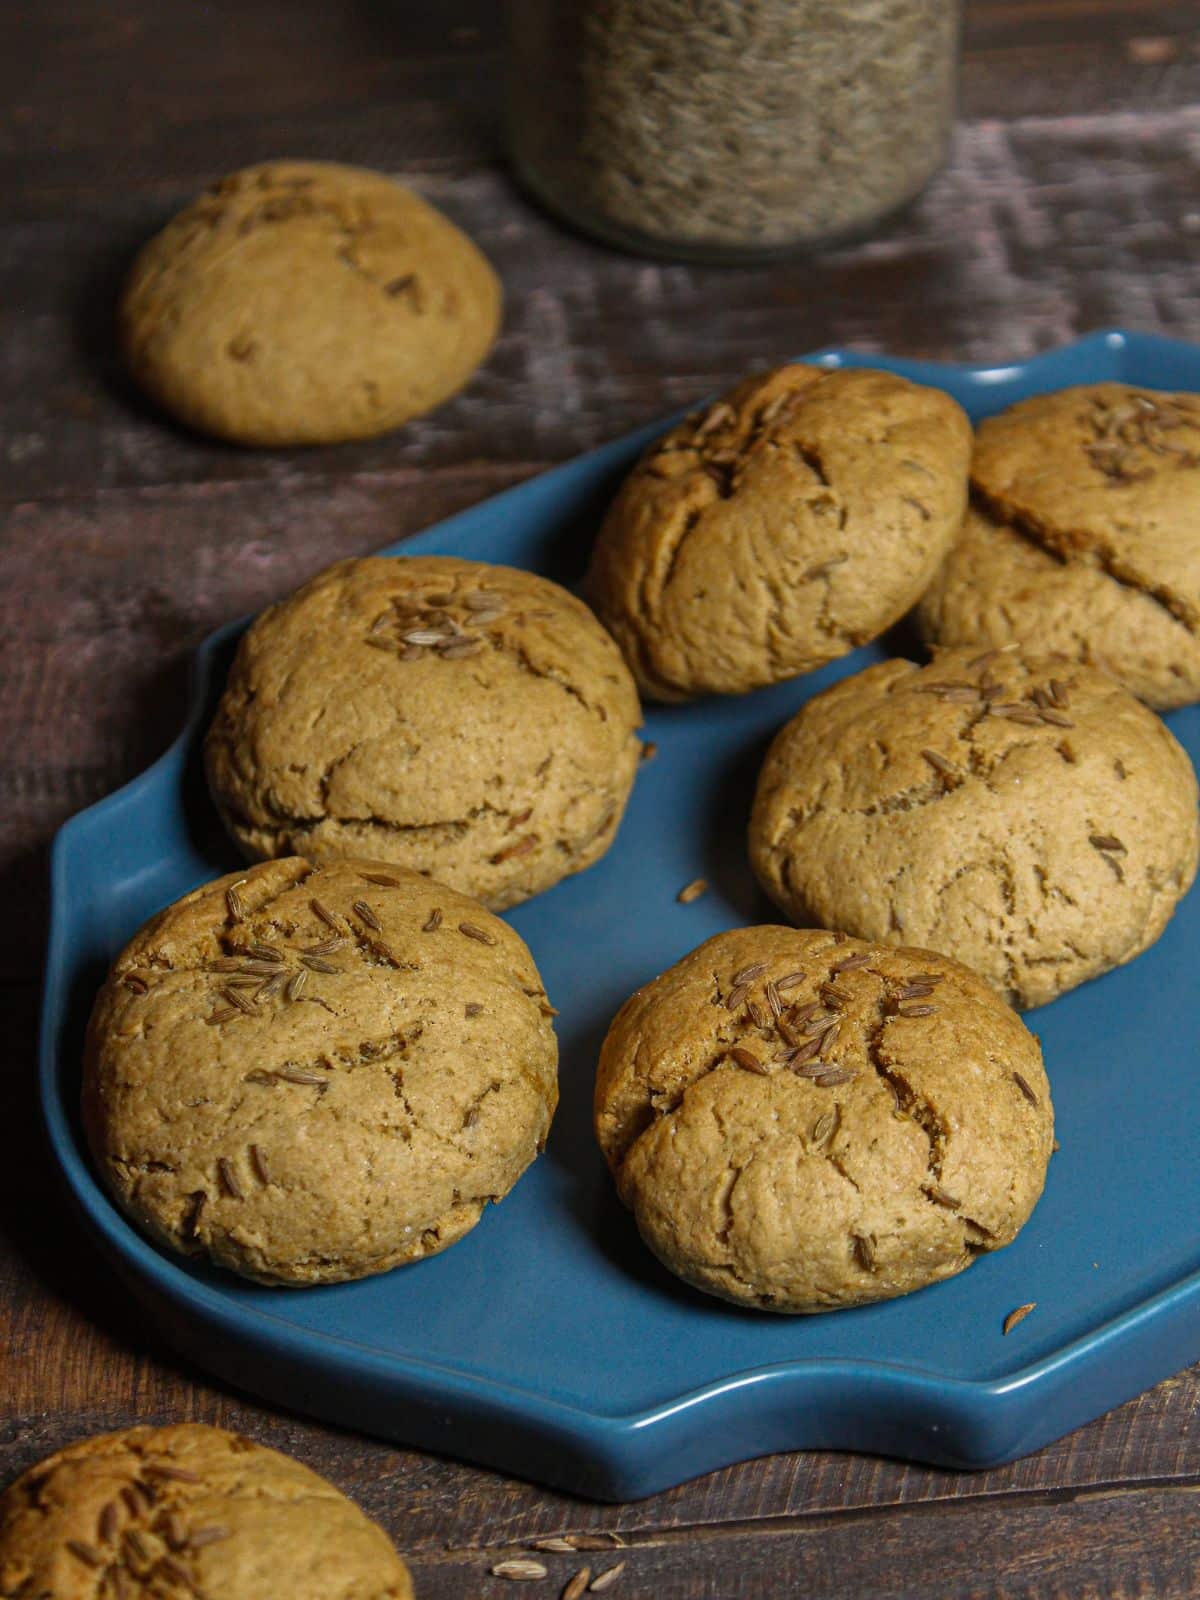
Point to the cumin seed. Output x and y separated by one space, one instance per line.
432 922
519 820
1023 1084
692 891
1106 841
327 947
832 995
478 934
939 1196
235 997
1059 693
319 964
748 974
296 985
649 750
472 1008
310 1080
916 1011
736 997
271 988
1018 1315
1056 719
864 1250
229 1179
109 1518
233 902
773 999
456 652
84 1552
481 600
258 1161
365 914
822 1127
174 1529
789 981
135 984
222 1014
577 1585
851 963
519 1570
162 1469
327 916
940 765
137 1544
382 880
522 847
747 1060
835 1078
212 1534
605 1580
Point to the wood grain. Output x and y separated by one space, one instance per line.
1071 202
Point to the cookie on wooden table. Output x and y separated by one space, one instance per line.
802 1122
1085 538
311 1073
795 519
1028 815
302 302
188 1510
469 721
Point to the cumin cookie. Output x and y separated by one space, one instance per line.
188 1509
804 1122
1085 538
798 517
1027 814
302 302
468 721
312 1073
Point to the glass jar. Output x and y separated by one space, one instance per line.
729 130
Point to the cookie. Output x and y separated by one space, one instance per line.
468 721
795 519
301 302
1085 538
188 1510
802 1122
308 1074
1027 814
999 586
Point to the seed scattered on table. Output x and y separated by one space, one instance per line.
1018 1315
692 891
605 1580
649 750
520 1570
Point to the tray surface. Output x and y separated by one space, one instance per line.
549 1342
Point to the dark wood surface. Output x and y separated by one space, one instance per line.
1072 202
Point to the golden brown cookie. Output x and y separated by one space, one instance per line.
1026 814
187 1510
313 1073
302 302
999 585
796 518
469 721
1085 538
801 1121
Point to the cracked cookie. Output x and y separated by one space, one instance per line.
802 1122
1027 814
795 519
469 721
302 302
188 1509
310 1073
1085 538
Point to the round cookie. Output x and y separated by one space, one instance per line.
999 585
188 1509
798 517
312 1073
482 727
803 1122
302 302
1086 538
1027 814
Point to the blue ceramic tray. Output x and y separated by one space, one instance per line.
549 1343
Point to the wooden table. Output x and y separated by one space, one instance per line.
1072 202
